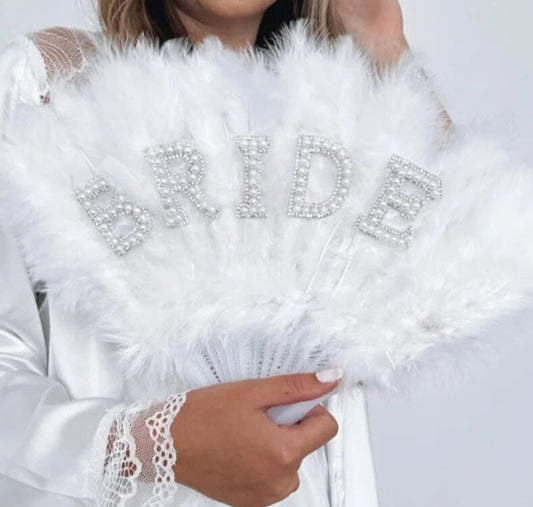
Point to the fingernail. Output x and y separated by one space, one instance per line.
330 375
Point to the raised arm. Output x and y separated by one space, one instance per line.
377 27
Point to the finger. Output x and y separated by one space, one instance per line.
284 389
313 431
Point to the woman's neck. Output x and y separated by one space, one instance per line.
234 33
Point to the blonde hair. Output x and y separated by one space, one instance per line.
125 21
320 13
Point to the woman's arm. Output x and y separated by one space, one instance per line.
50 443
45 437
221 444
377 27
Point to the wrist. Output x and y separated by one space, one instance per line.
386 51
183 439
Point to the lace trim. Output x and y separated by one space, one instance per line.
140 455
164 458
122 466
100 450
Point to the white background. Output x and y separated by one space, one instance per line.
469 444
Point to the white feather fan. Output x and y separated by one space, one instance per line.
224 297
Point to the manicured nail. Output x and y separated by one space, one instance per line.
330 375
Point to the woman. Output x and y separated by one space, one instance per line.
61 396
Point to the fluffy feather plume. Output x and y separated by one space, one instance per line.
232 298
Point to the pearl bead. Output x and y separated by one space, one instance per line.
400 171
253 148
186 183
107 216
307 147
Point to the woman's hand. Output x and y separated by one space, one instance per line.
376 25
229 450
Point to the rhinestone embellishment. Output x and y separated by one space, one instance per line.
253 148
186 182
308 146
122 223
400 172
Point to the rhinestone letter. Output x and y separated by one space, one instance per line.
253 149
400 171
120 221
307 146
187 182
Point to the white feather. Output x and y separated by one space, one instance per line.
231 298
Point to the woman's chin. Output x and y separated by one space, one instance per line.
232 9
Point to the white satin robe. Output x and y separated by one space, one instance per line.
56 384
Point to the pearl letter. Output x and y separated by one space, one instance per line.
253 148
400 171
307 146
121 222
187 182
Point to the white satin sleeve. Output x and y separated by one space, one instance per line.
54 448
93 448
46 438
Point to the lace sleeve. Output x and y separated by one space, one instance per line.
134 454
66 53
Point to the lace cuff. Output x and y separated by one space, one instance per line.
135 456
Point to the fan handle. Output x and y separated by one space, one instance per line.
287 415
